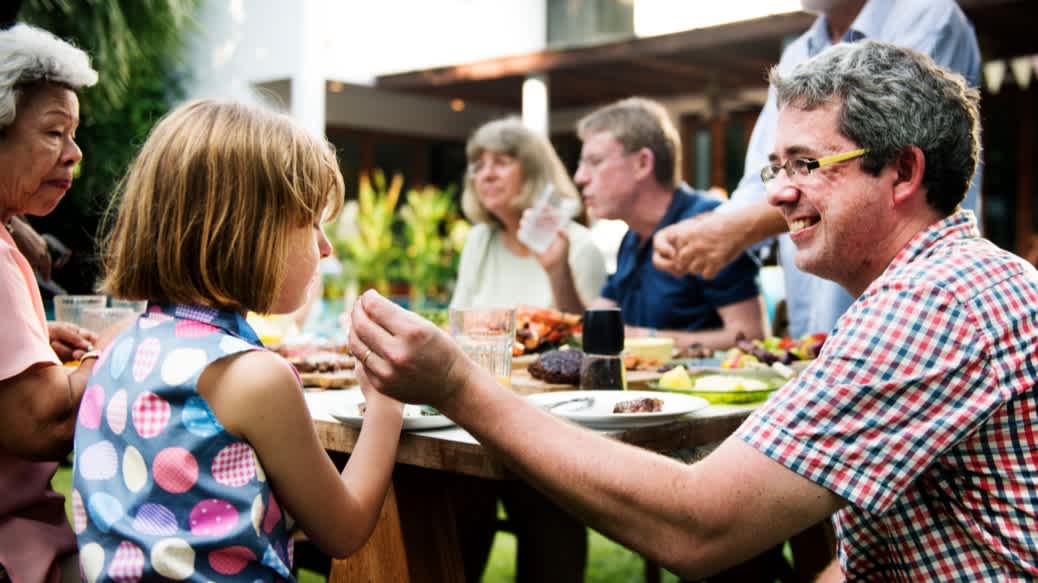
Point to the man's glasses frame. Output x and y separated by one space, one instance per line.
805 166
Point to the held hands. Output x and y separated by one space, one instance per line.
701 245
410 359
69 341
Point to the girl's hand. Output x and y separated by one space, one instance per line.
376 401
70 341
410 359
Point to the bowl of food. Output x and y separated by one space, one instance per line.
721 386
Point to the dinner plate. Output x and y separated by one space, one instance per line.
413 419
771 379
598 412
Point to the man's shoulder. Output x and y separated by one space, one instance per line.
964 268
693 202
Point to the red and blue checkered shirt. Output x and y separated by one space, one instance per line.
922 412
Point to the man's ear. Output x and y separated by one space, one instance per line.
645 163
909 167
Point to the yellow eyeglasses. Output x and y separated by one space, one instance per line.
804 166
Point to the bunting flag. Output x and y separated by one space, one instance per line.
994 73
1021 67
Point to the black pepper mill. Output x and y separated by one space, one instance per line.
602 367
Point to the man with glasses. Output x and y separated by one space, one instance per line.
629 171
937 28
916 425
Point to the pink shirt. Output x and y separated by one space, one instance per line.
34 531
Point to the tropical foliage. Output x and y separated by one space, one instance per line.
136 48
418 243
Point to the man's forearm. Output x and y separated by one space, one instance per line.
757 222
599 480
564 290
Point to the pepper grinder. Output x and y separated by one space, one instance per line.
602 367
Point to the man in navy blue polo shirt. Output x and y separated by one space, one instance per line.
629 170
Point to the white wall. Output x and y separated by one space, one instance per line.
366 38
240 42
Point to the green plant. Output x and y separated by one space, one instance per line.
136 48
430 257
364 240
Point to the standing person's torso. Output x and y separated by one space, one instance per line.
160 488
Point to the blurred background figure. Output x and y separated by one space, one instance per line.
45 253
39 114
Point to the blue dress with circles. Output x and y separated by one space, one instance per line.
160 489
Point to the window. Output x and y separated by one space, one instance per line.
581 22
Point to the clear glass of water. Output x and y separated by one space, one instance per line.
550 211
98 320
486 335
69 308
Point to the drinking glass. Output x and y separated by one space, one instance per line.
69 308
138 306
550 211
486 336
100 319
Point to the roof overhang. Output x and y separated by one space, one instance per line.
718 60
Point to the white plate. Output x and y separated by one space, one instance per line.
413 419
600 414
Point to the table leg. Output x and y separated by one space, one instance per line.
383 557
414 540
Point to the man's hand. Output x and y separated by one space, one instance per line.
410 359
701 245
70 341
33 247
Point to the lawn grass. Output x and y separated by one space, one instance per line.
608 562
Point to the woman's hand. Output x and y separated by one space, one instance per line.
410 359
70 341
556 256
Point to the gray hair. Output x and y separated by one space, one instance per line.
637 122
893 98
538 163
30 55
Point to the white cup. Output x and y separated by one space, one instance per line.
550 211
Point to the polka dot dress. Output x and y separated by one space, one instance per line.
160 490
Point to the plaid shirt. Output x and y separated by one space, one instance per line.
922 412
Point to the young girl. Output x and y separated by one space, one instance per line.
194 445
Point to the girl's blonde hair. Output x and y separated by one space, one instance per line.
204 212
538 162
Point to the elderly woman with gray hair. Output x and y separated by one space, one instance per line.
508 166
39 113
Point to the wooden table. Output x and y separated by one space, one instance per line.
414 540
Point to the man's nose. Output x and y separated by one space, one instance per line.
581 177
782 190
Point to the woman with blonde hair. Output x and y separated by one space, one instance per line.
509 165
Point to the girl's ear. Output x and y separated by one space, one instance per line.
909 165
